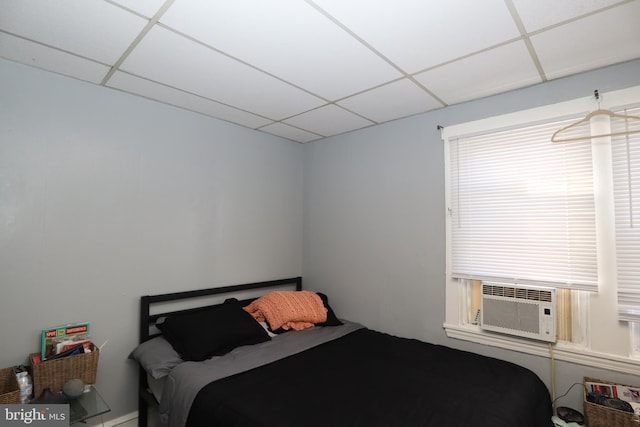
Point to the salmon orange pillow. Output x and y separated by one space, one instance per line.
289 309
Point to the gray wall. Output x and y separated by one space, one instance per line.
105 197
374 225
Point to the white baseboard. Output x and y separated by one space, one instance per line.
121 420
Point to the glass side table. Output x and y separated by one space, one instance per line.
90 404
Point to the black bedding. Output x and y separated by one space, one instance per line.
368 378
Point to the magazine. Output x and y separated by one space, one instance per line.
617 391
64 338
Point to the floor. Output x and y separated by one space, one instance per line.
100 422
153 420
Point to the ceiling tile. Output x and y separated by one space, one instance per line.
291 40
606 38
176 61
30 53
497 70
158 92
147 8
94 29
538 14
418 34
329 120
394 100
290 132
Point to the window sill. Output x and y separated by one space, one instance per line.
564 352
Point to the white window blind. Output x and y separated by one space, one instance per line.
626 178
522 208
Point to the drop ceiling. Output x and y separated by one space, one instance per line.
305 70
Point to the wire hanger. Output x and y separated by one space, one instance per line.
599 111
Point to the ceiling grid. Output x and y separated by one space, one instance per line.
309 69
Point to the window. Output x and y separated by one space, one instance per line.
524 210
626 174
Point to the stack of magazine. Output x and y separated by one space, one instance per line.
63 341
617 391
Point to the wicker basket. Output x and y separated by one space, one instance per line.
53 374
9 388
603 416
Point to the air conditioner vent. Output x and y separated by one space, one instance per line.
517 292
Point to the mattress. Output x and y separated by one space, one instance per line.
367 378
363 378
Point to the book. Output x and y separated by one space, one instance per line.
35 358
60 339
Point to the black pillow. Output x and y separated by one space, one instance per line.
332 320
212 331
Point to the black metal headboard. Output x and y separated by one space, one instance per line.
148 320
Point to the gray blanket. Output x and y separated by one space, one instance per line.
188 378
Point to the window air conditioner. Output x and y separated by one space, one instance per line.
524 311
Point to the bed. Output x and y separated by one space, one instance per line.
334 373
